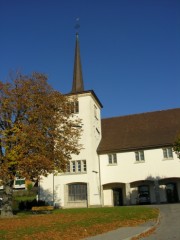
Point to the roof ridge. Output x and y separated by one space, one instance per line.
143 113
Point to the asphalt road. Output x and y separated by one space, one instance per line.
169 226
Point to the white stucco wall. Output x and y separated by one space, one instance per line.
101 177
128 170
89 113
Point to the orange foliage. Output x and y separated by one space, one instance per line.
37 135
50 227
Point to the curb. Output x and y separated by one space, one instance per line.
150 229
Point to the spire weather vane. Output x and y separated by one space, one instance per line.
77 25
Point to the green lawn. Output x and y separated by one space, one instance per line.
73 224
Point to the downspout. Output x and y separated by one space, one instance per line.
100 187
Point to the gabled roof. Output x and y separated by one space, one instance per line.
140 131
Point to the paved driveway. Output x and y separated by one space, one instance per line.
169 227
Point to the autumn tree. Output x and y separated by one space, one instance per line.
37 133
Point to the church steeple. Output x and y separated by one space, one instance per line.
78 85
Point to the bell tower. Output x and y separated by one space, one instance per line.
80 185
89 111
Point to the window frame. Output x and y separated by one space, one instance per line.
77 192
76 167
95 112
167 153
139 156
79 167
73 166
73 107
112 159
84 165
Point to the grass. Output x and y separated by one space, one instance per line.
73 224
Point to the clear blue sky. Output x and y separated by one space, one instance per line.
130 49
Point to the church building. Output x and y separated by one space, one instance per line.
125 160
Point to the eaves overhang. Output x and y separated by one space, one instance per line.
85 92
135 148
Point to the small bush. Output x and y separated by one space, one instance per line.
27 205
29 186
22 193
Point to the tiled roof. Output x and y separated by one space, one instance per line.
140 131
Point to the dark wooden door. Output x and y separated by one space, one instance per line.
118 197
171 193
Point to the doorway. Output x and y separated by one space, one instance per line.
171 193
118 197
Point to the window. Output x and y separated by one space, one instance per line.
112 158
167 153
77 192
76 107
95 112
19 181
73 107
76 166
68 167
73 163
79 166
84 165
97 130
139 155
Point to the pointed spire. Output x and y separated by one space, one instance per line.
78 85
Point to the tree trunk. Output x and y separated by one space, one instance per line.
7 200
